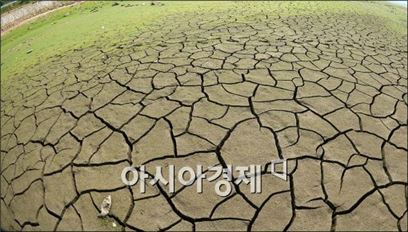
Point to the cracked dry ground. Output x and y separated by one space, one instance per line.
328 95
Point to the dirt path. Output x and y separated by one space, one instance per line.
25 21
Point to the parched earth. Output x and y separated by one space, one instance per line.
326 92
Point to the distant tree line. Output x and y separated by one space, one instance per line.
7 5
4 2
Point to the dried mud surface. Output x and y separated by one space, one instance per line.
327 93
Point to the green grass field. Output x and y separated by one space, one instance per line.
102 24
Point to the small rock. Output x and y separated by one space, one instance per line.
153 3
105 206
29 51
